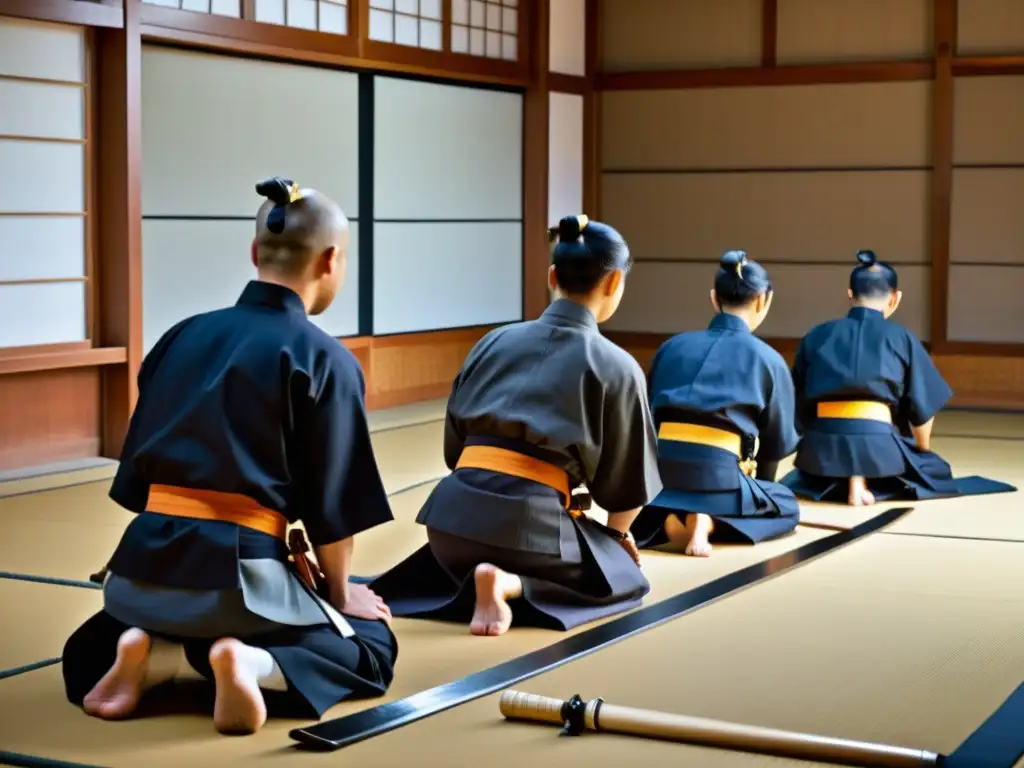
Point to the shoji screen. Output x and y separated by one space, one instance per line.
213 126
565 156
447 206
43 194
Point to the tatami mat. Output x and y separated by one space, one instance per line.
430 654
999 516
40 528
38 618
894 639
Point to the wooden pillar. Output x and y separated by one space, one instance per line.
536 255
769 32
945 14
119 225
592 115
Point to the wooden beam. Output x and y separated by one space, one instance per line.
535 163
803 74
119 220
569 83
982 66
49 360
769 32
942 168
592 114
88 14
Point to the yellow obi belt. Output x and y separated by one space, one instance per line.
710 436
856 409
507 462
238 509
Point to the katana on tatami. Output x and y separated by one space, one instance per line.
577 716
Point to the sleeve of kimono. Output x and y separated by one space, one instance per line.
627 473
925 392
341 487
801 415
454 440
129 489
776 426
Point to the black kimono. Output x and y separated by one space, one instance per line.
721 380
552 389
865 358
252 400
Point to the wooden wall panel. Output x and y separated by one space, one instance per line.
49 416
988 119
674 297
789 216
986 27
831 31
985 303
640 35
987 382
987 225
417 366
870 125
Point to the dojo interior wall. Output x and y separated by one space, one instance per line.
804 130
800 177
137 159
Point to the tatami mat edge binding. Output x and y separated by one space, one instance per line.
28 761
998 742
334 734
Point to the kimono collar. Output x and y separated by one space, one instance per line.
723 321
864 313
271 295
568 312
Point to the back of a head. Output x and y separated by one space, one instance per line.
585 252
294 226
871 278
740 281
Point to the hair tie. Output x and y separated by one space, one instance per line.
583 220
294 193
739 267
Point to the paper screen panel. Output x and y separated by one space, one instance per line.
446 152
42 313
565 156
209 136
42 51
567 52
429 276
189 267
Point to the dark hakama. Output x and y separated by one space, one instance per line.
252 400
556 390
727 379
866 358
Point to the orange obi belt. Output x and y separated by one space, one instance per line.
858 409
710 436
507 462
238 509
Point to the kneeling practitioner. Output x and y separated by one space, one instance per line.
723 402
867 396
248 419
539 408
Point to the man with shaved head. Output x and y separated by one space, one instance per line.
249 419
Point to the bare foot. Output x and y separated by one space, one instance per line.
700 528
117 694
494 587
239 707
860 496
